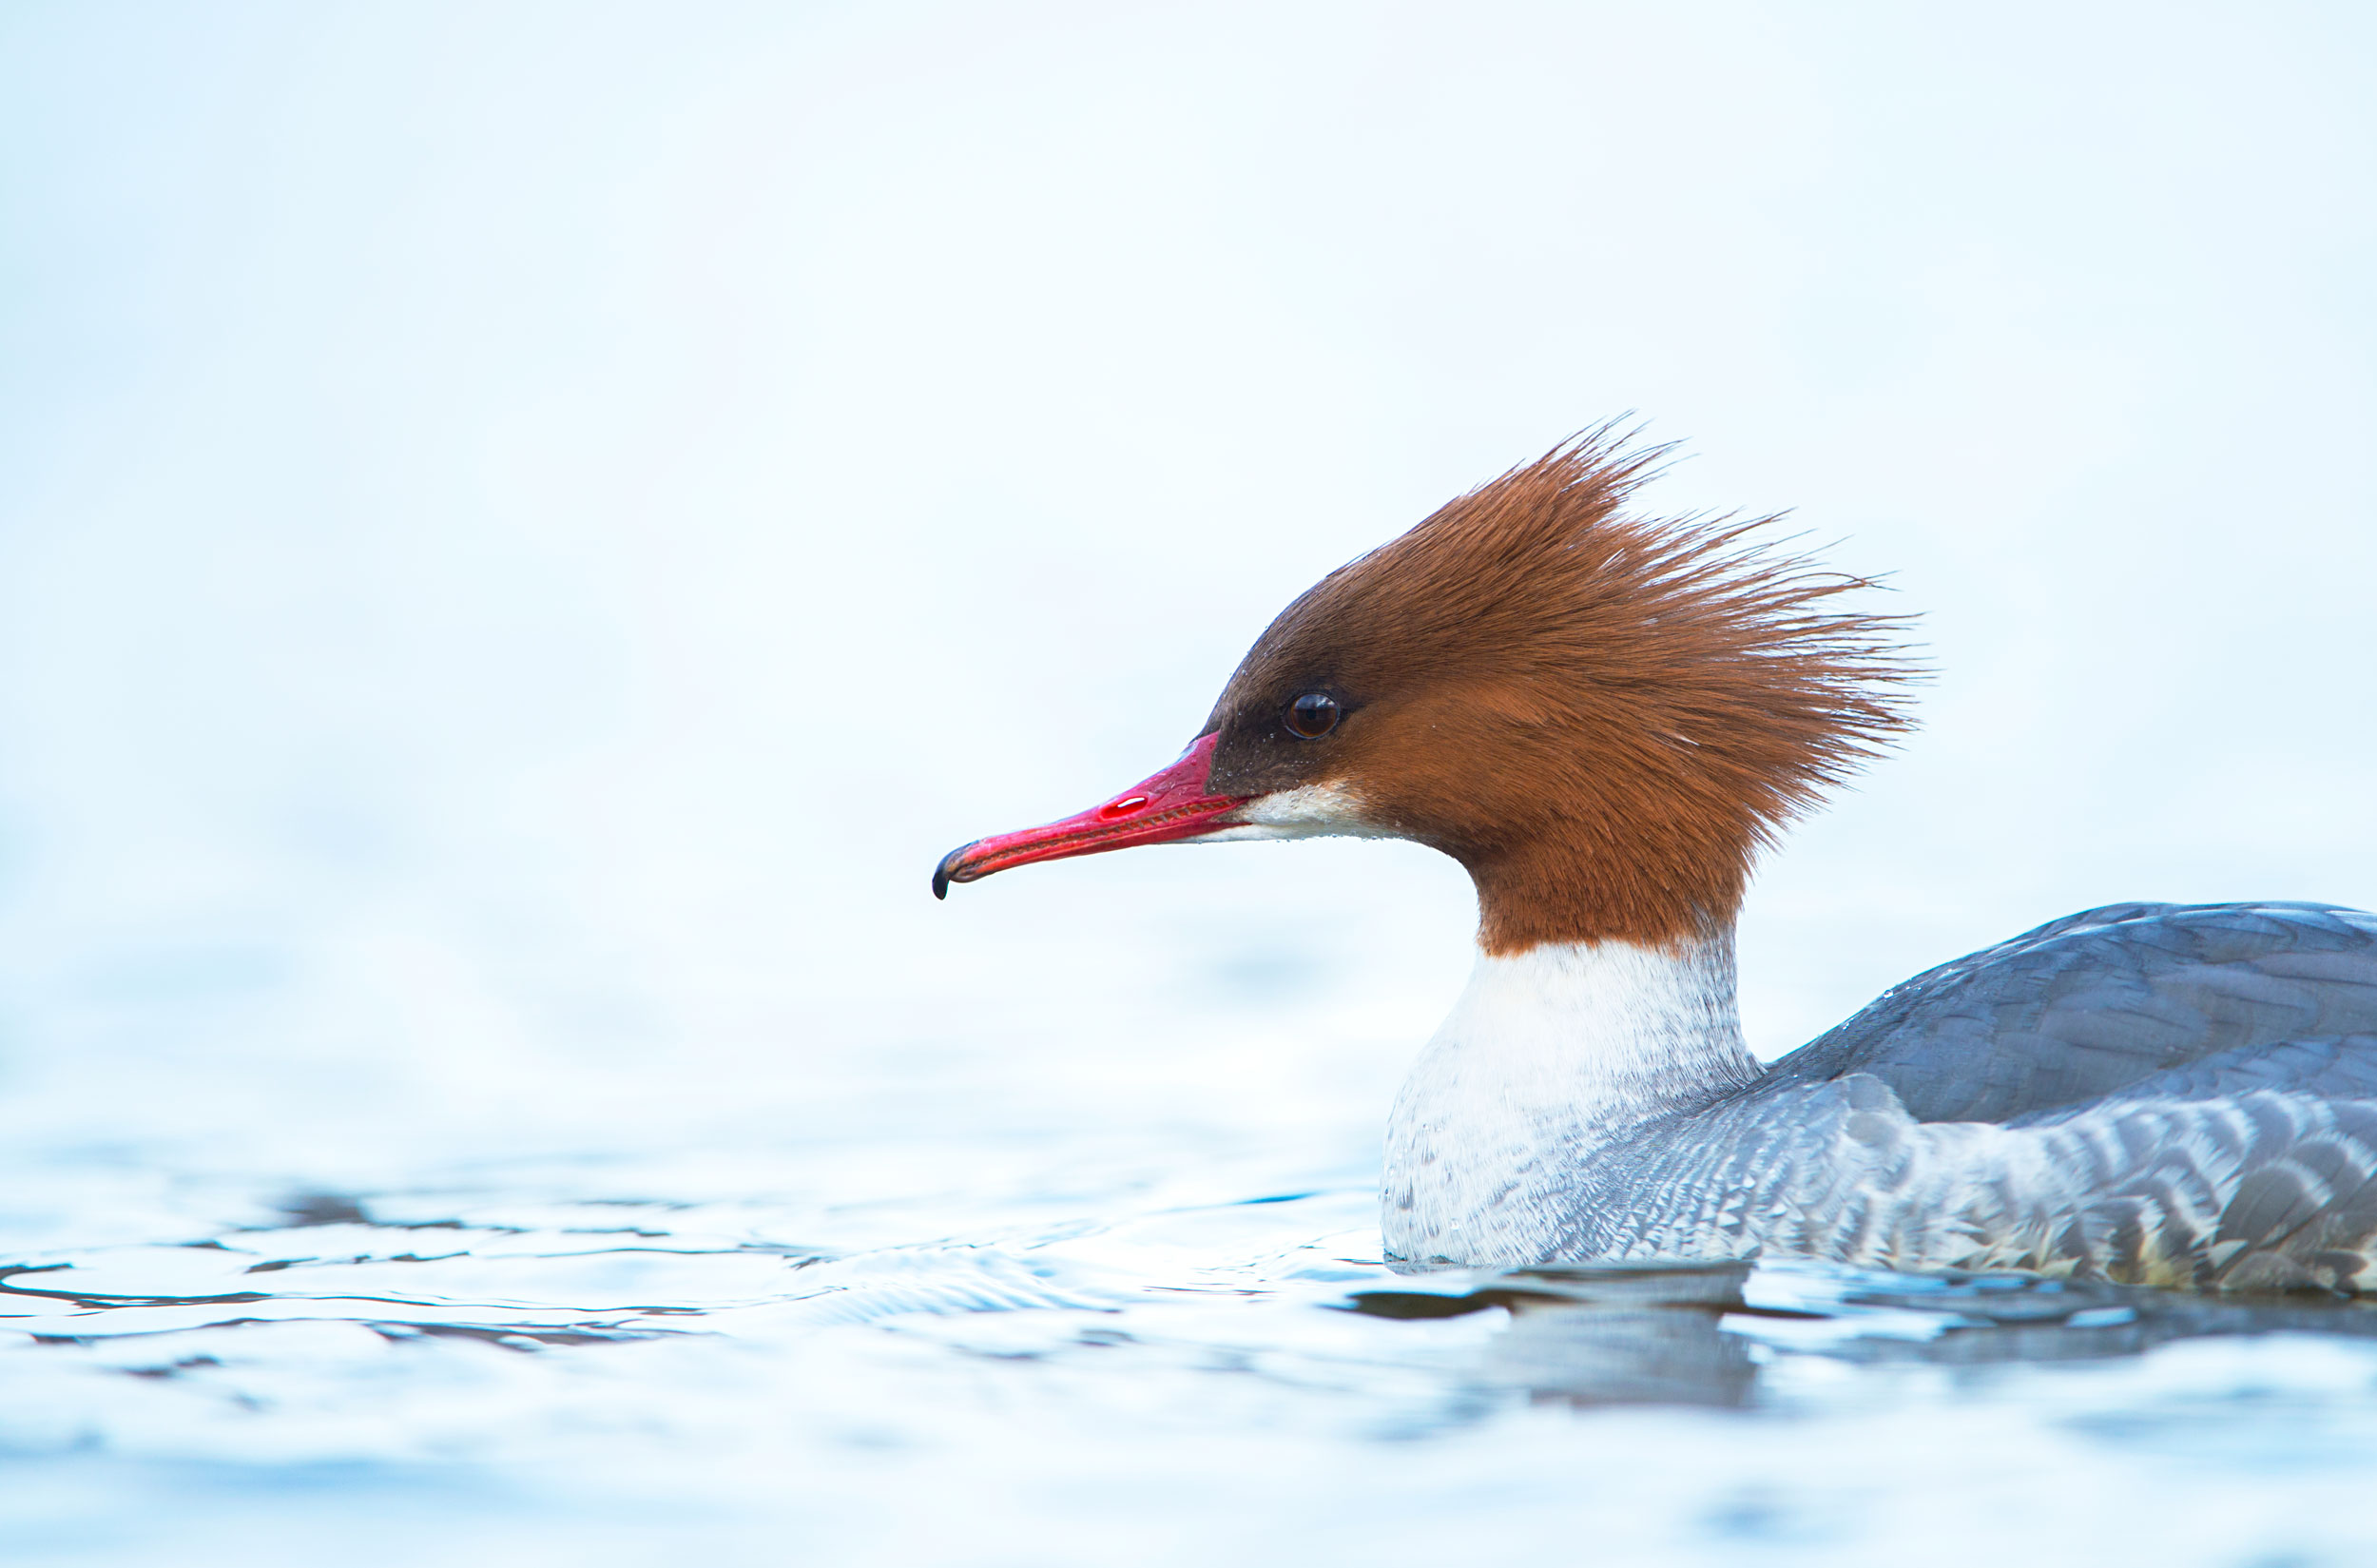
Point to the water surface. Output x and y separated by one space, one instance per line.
1173 1347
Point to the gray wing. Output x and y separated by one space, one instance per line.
2251 1190
2183 1001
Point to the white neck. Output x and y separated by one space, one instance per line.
1550 1054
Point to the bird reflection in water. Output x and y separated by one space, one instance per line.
1700 1335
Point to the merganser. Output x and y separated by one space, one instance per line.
1604 717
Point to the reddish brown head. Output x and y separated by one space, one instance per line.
1603 717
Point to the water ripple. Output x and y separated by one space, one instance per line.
677 1341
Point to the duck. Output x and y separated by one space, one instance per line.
1606 716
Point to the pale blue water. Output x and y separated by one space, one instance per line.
844 1344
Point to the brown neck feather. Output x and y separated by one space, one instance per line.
1671 881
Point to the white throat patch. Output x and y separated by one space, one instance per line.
1313 811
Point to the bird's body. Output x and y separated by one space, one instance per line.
2153 1093
1603 719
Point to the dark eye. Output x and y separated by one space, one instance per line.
1311 716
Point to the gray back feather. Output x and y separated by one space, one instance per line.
2097 1001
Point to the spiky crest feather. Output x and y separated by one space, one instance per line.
1602 715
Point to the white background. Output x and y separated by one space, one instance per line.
527 528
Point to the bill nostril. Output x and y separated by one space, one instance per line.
1122 808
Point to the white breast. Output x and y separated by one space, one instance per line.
1547 1054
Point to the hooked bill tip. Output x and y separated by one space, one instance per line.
940 872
